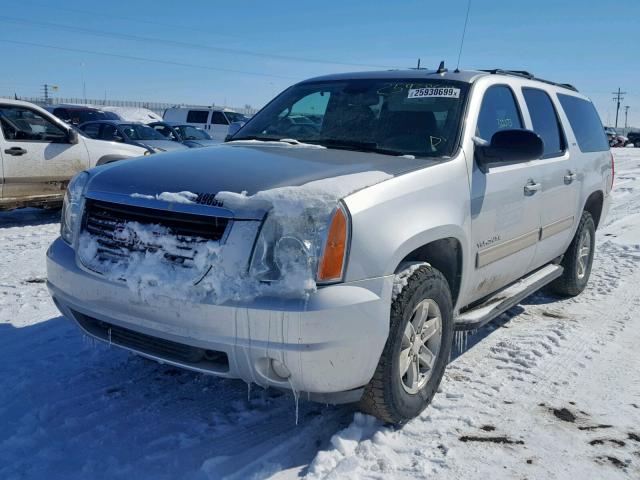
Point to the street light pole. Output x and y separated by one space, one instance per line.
626 117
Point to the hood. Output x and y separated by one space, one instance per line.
168 145
244 167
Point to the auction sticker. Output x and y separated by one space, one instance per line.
434 92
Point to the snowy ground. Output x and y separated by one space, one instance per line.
552 390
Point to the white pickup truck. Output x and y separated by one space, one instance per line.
39 154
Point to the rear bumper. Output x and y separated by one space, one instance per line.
328 343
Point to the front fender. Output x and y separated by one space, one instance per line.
393 218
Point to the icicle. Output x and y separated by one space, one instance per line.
295 397
109 337
248 391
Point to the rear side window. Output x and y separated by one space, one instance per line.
218 118
197 116
545 121
499 111
585 123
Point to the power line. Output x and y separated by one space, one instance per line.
181 44
136 20
143 59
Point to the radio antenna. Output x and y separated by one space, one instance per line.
464 31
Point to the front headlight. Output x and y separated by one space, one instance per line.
302 248
71 208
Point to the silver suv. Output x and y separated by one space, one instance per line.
338 240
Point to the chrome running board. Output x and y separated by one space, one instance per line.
506 298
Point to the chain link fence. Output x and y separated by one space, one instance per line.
156 107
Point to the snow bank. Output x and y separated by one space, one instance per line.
214 272
335 463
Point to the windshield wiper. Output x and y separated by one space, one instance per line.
353 145
256 137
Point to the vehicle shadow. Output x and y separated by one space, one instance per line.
28 216
466 340
88 410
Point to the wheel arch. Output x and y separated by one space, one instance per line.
594 205
444 253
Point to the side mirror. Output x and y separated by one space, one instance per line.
72 136
234 127
510 146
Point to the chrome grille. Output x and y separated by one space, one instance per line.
104 221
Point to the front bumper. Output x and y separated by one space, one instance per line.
329 343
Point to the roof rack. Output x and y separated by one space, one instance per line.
529 76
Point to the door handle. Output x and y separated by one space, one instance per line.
531 188
569 177
16 151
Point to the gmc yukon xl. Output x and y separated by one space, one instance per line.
335 243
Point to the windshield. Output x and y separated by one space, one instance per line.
192 133
412 117
140 132
236 117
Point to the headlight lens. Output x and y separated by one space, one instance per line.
71 208
302 248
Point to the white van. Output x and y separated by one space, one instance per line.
214 121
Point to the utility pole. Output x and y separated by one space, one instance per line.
626 117
618 99
84 85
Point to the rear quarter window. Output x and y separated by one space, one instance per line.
585 123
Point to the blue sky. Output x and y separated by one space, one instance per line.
245 52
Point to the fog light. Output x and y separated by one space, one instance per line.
280 369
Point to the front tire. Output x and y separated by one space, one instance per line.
577 260
417 349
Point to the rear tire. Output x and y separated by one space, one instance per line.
419 343
577 260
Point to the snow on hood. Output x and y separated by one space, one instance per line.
239 166
218 272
